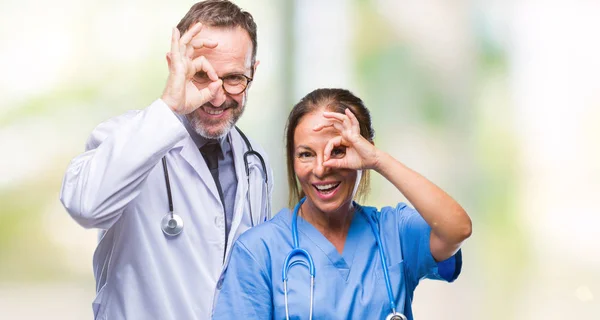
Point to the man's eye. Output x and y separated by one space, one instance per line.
201 76
234 79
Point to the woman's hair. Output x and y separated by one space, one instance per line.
335 100
220 14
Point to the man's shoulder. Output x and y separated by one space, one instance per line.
105 128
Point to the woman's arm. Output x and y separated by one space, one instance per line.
450 224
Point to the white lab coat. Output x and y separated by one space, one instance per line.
118 185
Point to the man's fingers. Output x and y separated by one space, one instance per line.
199 43
210 91
196 45
189 52
168 55
174 43
201 64
188 35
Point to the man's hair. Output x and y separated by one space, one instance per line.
222 14
334 100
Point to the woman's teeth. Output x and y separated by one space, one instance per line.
326 188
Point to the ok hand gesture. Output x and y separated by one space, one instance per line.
180 94
360 153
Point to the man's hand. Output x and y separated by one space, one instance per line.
180 94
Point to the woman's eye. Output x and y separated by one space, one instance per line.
304 154
338 152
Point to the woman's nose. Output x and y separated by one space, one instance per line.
320 170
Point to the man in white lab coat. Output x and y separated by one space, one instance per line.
168 184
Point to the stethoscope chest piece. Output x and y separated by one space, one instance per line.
396 316
171 224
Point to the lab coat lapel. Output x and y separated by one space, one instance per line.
238 148
191 154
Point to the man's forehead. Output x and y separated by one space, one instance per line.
226 36
233 43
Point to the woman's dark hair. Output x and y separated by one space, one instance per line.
220 13
335 100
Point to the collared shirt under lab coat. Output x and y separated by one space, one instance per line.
118 184
350 285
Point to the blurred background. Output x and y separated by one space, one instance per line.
496 101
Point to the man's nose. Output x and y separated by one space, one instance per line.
219 97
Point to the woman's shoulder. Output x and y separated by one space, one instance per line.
389 212
267 233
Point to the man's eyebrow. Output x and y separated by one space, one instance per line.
234 73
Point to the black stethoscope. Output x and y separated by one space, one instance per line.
172 224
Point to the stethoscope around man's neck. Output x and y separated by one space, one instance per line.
172 224
309 263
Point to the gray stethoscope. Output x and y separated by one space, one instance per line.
309 263
172 224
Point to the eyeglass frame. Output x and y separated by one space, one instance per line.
248 79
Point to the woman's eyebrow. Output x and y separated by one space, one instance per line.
303 147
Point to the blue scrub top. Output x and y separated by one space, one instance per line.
347 286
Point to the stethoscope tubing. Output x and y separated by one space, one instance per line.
309 263
172 224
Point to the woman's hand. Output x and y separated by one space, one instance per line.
360 153
180 94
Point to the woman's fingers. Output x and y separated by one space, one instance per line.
334 142
330 123
343 118
353 121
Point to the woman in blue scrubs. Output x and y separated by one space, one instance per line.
330 152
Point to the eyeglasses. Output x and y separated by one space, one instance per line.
233 84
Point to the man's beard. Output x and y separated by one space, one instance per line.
216 129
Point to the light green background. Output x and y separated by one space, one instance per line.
498 102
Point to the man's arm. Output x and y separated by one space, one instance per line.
121 152
101 182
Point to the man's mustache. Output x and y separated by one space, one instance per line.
226 105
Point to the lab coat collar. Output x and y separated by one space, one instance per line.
238 147
190 153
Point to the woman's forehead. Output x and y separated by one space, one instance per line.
304 132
